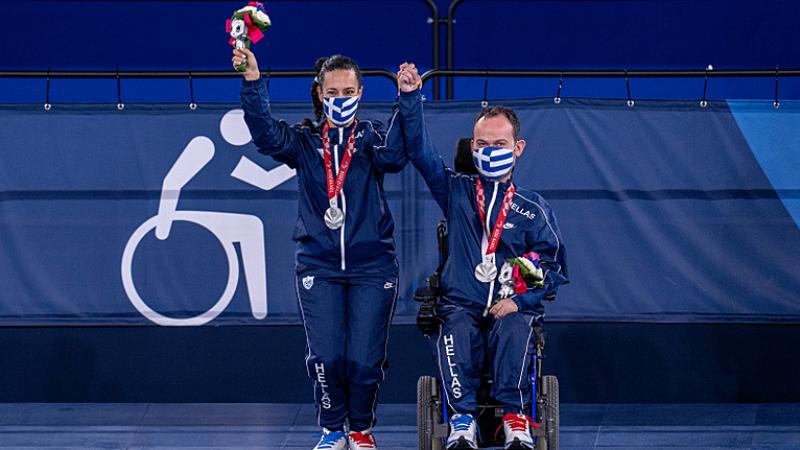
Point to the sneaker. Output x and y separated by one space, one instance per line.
517 428
362 440
332 440
463 431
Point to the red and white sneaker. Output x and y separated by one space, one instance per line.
362 440
517 428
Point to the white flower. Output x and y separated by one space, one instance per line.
527 263
261 16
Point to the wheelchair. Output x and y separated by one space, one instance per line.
432 411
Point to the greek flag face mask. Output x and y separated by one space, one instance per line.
493 162
340 110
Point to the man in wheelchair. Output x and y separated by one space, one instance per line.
504 256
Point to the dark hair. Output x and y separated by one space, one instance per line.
493 111
324 65
338 62
318 111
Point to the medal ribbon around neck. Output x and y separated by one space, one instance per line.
494 239
334 188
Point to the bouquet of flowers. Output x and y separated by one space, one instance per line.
247 26
519 274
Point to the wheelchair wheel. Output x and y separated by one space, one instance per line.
550 414
427 394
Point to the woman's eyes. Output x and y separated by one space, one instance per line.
348 93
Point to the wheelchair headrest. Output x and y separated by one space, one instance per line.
463 159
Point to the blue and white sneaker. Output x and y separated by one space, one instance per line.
463 433
332 440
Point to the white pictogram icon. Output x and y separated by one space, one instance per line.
229 228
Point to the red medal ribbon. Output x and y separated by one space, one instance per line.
494 239
334 189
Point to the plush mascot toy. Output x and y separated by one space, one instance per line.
518 275
247 26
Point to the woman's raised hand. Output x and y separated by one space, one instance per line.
252 73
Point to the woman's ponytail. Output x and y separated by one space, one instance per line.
315 86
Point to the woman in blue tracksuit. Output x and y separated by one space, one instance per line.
346 267
489 220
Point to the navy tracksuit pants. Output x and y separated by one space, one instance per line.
466 339
346 318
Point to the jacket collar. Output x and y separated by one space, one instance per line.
503 185
333 132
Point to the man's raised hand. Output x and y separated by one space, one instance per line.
408 78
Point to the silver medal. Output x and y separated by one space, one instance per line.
334 218
486 272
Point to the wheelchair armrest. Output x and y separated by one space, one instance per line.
431 290
427 320
428 297
425 294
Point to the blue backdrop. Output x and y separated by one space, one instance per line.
670 212
557 34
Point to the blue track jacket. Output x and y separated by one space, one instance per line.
531 224
366 240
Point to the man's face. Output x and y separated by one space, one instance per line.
340 83
496 131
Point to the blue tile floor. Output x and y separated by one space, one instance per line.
291 426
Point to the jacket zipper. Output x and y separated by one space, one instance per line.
344 201
487 229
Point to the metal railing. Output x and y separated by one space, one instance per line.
435 74
435 21
667 73
189 75
88 74
450 22
627 75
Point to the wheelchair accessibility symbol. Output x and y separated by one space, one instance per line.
229 228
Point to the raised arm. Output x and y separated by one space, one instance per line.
388 148
272 137
419 146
